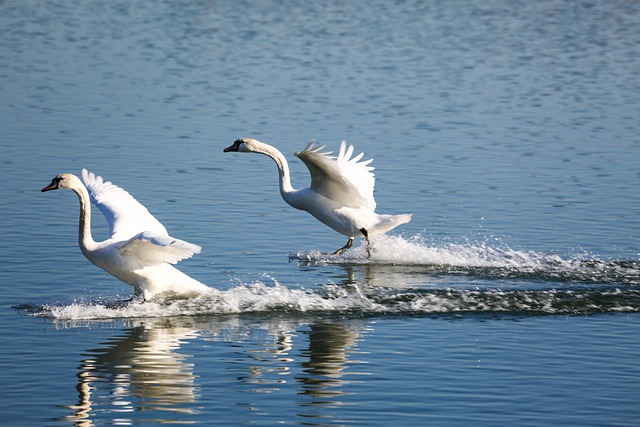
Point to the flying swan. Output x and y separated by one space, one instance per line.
140 251
341 191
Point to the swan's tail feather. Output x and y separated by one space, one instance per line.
389 222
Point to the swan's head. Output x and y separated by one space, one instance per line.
64 181
246 145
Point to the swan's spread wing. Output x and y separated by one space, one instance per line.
346 180
125 215
153 248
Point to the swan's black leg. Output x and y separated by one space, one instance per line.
344 248
365 233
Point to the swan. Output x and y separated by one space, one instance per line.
341 191
140 251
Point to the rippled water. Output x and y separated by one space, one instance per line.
510 131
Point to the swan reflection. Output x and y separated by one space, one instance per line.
145 371
275 360
319 368
327 360
140 370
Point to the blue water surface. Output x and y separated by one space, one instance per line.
509 129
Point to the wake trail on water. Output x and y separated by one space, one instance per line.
570 285
490 260
269 300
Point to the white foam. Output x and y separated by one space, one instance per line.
388 289
416 250
247 298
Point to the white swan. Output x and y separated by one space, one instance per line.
341 191
140 251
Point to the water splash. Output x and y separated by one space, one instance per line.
262 299
247 298
483 259
404 277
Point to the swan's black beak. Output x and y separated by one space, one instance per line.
53 186
235 146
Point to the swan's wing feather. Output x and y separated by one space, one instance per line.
125 215
348 181
151 248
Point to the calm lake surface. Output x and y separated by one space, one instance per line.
510 130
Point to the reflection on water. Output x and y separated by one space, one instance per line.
141 370
329 344
147 370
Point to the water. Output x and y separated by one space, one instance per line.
510 131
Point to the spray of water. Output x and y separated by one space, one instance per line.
571 285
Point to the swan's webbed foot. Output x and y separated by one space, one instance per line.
120 303
137 299
365 233
344 248
139 296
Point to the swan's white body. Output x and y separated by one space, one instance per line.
341 191
140 251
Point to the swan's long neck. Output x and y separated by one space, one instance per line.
283 170
85 239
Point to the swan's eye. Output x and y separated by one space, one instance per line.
55 184
56 181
